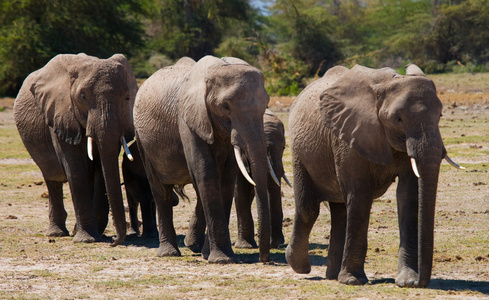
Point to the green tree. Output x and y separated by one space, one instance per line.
193 28
461 33
33 31
304 29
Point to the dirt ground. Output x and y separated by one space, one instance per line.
33 266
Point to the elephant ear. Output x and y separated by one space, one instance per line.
52 91
348 108
192 100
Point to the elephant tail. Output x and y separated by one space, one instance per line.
179 190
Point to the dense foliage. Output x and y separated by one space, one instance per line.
34 31
289 40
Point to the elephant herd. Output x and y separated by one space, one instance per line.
206 123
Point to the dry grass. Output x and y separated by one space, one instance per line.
33 266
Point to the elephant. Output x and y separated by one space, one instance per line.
189 119
72 115
354 131
244 194
138 193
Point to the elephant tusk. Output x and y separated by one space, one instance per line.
272 173
287 180
126 149
454 164
90 147
415 168
239 160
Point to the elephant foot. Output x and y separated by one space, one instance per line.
192 243
332 273
348 278
298 260
132 232
277 241
83 236
219 257
166 249
244 244
57 231
407 277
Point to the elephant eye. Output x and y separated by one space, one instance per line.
128 97
398 119
226 106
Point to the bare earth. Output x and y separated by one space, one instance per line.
33 266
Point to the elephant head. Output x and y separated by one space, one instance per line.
379 113
85 97
275 138
225 99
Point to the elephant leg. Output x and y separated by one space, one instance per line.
407 207
57 212
100 199
204 170
195 237
277 216
131 187
228 183
164 206
358 212
244 195
306 214
133 205
217 226
337 239
82 196
148 214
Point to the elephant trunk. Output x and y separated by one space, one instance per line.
108 135
255 148
427 160
259 169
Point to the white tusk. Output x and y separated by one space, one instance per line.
272 173
239 160
126 149
90 147
450 161
415 168
287 180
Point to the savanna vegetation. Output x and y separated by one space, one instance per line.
289 40
33 266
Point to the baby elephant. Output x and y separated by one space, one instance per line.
245 192
352 133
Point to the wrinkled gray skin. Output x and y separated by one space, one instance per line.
71 98
245 193
188 117
352 133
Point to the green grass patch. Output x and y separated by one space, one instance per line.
473 139
12 146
